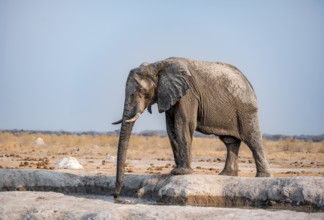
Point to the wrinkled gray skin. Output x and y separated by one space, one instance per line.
212 98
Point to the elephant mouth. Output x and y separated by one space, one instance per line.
133 119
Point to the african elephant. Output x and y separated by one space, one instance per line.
210 97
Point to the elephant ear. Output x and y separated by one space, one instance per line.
172 85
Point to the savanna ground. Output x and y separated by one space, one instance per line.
153 155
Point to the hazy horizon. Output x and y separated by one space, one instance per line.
63 64
162 132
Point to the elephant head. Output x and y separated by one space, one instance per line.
164 83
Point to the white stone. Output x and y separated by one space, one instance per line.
68 163
39 141
111 159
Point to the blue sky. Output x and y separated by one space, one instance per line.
63 64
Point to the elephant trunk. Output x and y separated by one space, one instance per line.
125 132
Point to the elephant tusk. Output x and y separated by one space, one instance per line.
134 118
117 122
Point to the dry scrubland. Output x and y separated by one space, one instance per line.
153 155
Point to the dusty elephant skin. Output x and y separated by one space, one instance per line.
210 97
295 193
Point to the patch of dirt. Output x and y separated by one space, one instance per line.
153 155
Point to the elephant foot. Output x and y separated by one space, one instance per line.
181 171
229 173
263 174
116 195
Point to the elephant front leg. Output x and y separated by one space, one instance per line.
172 136
181 129
181 154
183 160
232 146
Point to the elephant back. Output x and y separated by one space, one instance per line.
225 81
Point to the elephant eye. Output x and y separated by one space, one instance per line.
146 97
141 90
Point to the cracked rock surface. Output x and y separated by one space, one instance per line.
51 205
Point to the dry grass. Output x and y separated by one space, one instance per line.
53 142
293 145
139 145
292 149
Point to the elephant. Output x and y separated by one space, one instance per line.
209 97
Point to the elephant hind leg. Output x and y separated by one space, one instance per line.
262 165
232 146
253 139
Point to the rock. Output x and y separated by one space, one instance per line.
111 159
68 163
39 142
295 193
